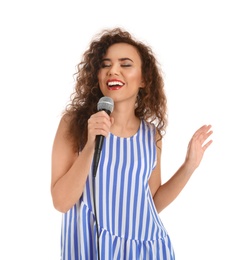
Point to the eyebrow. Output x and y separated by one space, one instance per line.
121 59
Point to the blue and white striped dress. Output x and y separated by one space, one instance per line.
130 228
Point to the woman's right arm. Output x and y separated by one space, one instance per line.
70 169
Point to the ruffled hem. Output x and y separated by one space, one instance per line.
116 248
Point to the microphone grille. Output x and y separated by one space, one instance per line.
105 103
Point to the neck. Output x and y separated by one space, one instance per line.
125 123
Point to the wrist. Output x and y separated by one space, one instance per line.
189 167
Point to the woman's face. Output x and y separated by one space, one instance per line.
120 75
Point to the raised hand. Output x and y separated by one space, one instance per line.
197 146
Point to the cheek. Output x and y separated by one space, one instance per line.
137 77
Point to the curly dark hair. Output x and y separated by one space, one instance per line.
151 103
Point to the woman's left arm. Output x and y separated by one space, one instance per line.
164 194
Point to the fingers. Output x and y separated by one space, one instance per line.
202 134
205 146
99 124
202 130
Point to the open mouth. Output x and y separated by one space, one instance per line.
115 84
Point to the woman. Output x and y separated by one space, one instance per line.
114 215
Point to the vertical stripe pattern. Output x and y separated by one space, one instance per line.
130 227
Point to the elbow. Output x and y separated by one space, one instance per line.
60 207
60 204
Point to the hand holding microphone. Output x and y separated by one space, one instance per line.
105 104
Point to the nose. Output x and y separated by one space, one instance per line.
113 70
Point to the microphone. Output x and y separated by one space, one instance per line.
104 104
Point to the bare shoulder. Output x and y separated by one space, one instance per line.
63 124
62 131
62 141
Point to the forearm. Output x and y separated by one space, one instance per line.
168 191
68 189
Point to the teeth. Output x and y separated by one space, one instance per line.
115 83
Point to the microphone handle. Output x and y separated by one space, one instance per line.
97 153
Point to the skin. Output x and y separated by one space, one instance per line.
121 64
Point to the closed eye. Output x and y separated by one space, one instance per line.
104 65
126 65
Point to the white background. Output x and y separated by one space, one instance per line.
201 47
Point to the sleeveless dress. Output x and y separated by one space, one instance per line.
129 225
